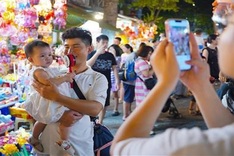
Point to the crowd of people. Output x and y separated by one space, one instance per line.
63 120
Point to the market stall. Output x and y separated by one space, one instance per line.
135 31
21 21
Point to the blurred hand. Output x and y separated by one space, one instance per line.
164 63
47 90
101 49
69 118
69 77
199 74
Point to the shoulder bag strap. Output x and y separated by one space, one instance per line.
78 91
81 96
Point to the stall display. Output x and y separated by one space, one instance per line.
136 31
6 124
15 143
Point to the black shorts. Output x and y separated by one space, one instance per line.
107 103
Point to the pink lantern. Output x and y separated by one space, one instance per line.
34 2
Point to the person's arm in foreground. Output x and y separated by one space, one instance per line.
141 121
49 91
197 80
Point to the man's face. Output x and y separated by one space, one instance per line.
116 41
78 48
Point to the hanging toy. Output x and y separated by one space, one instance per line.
70 61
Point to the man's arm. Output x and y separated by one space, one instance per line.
205 53
49 91
92 60
88 107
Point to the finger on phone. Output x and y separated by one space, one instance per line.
194 48
161 47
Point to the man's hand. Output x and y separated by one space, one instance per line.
69 118
101 49
47 90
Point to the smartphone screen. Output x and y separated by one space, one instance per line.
177 31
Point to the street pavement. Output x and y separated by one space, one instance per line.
164 121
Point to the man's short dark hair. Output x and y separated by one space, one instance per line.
102 37
31 45
118 38
80 33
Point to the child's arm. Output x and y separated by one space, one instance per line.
61 79
42 76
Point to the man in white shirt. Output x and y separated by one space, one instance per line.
92 84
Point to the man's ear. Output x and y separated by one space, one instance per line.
91 48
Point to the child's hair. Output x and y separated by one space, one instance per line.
31 45
102 37
80 33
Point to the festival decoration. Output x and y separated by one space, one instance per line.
137 31
60 13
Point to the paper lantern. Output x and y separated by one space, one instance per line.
34 2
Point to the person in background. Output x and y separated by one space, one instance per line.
77 42
103 62
114 49
211 55
128 86
117 41
217 140
144 71
155 43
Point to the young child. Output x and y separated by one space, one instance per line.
39 55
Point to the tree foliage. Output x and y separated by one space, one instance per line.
156 6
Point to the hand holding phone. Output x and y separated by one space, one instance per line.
177 32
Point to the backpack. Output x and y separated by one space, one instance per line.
127 72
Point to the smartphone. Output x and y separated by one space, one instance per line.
177 32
